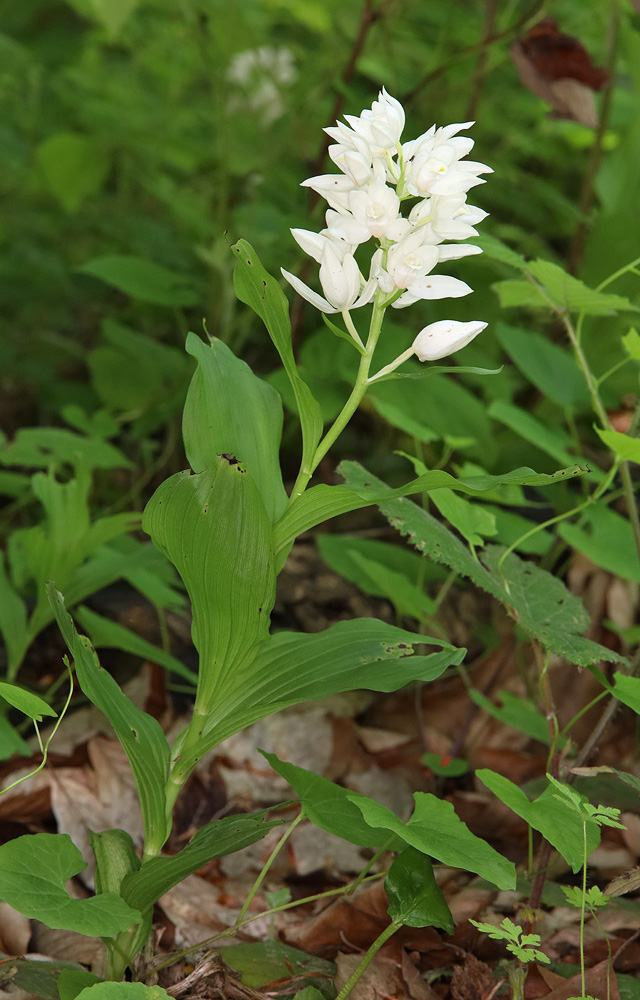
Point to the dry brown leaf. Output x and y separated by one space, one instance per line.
596 984
15 931
69 946
471 980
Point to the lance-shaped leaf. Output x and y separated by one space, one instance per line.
139 733
258 289
539 601
362 490
35 870
290 668
230 410
215 840
214 528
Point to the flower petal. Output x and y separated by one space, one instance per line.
440 339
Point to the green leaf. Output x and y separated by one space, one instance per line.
540 602
143 280
631 344
51 447
435 829
406 598
26 702
263 962
558 822
73 981
139 733
627 690
258 289
514 293
13 622
11 742
497 250
40 979
447 767
214 528
225 836
123 991
473 521
74 167
627 447
320 503
520 713
290 668
229 410
606 538
113 14
327 805
552 441
338 551
415 898
550 368
35 869
106 634
571 294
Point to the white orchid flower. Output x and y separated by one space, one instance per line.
341 283
444 337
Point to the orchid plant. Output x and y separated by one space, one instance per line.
227 524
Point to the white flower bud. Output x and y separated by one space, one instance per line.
444 337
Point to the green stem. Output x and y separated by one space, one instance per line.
349 408
184 763
265 868
367 958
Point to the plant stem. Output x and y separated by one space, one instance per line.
584 897
367 958
265 868
349 408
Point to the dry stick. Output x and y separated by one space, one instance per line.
482 60
576 251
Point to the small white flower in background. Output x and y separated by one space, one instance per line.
379 173
262 73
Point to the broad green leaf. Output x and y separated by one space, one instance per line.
320 503
106 634
497 250
569 293
606 538
513 529
329 806
337 552
13 484
474 522
555 820
448 767
144 887
230 411
26 702
631 344
435 829
214 528
11 742
443 407
123 991
540 602
73 981
262 962
48 447
139 733
627 690
113 14
552 441
415 898
550 368
35 869
74 167
258 289
406 598
143 280
520 713
290 668
627 447
38 978
13 622
514 293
